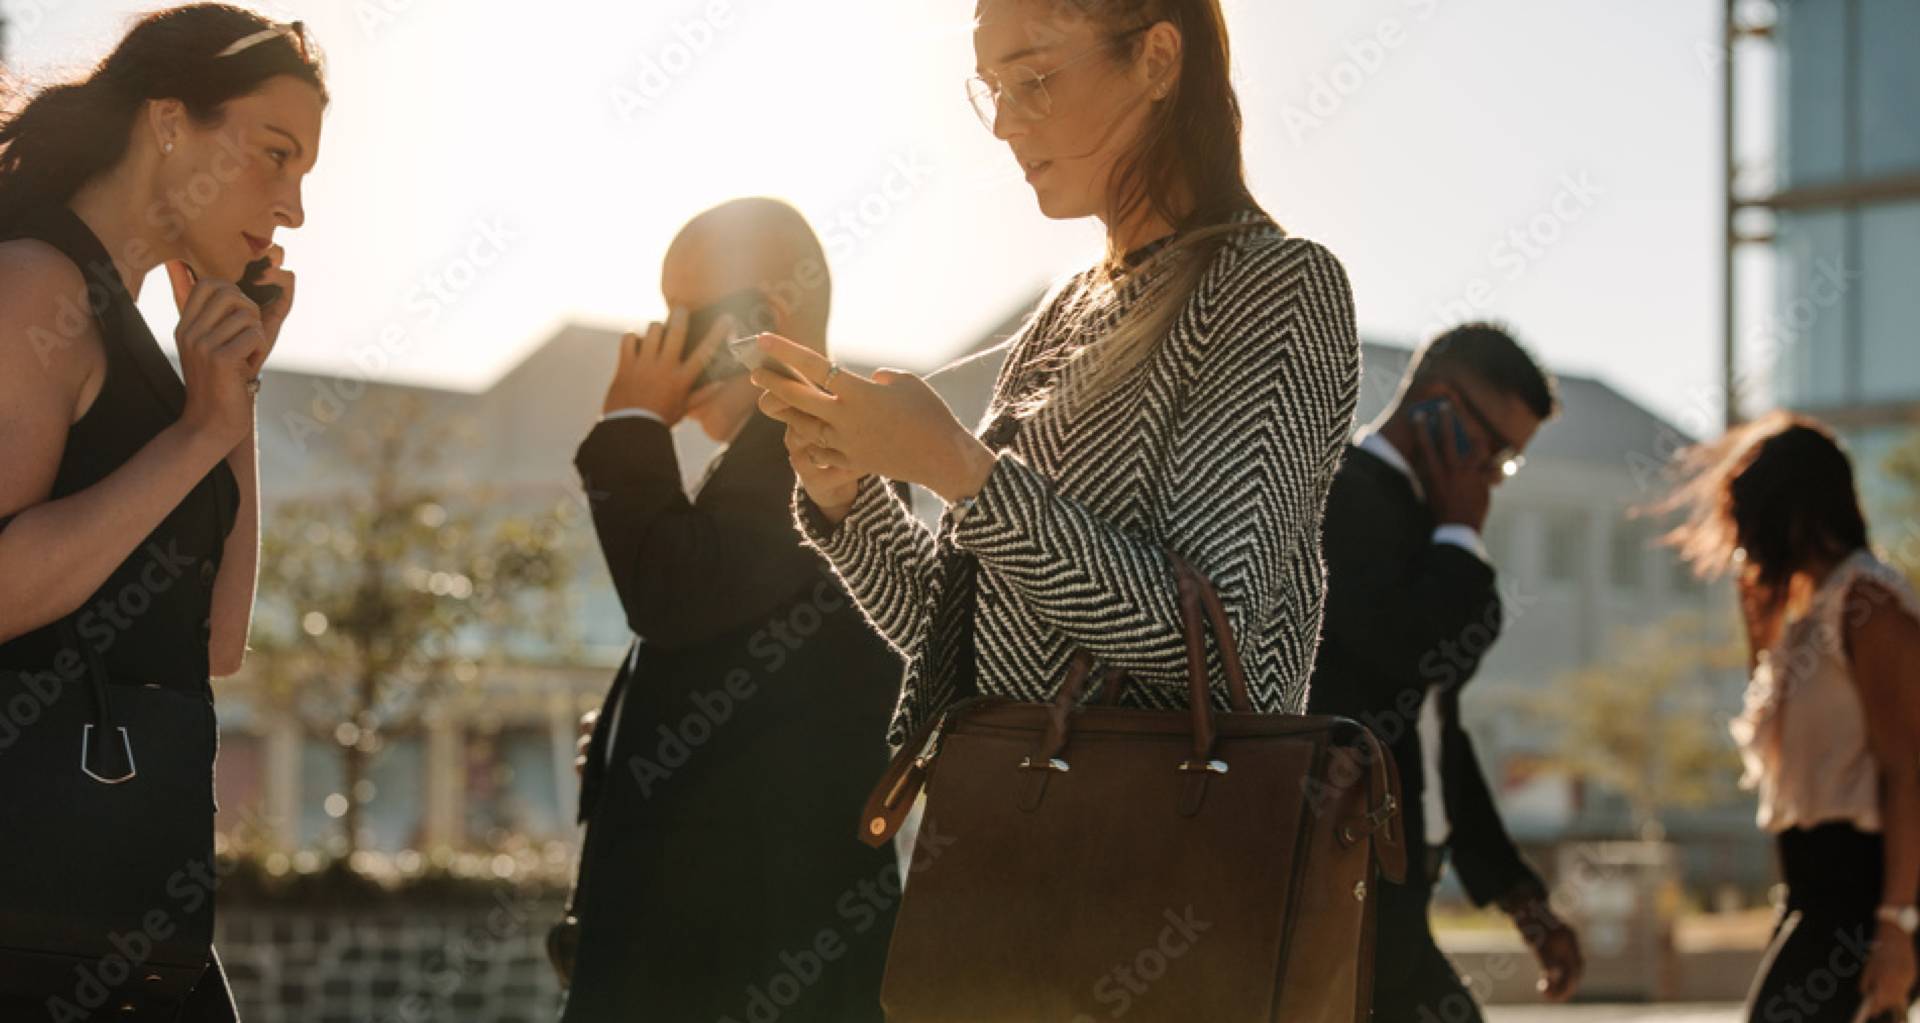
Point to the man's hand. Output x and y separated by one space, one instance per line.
1458 486
1553 943
587 721
651 375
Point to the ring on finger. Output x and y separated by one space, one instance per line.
826 383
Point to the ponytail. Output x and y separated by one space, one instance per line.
63 137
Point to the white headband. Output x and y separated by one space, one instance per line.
248 42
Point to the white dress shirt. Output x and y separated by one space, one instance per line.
634 413
1460 535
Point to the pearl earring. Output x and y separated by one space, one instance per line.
166 147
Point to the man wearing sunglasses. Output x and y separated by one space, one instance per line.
722 876
1412 607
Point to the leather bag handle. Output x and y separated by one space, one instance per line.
1201 612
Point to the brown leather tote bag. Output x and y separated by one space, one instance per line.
1088 862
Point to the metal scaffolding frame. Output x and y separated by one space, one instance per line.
1739 29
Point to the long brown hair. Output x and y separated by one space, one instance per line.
67 134
1187 168
1779 488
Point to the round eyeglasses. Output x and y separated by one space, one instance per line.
1023 90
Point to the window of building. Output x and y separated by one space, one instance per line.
1627 553
513 790
1566 541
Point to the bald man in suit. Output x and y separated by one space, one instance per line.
721 876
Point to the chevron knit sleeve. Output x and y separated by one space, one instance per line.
884 555
1272 377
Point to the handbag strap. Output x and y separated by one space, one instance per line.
97 736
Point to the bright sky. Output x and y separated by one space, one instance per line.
484 179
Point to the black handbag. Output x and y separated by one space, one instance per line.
106 840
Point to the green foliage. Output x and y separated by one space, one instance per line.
1644 720
377 601
1902 467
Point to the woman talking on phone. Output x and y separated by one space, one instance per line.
1192 391
128 496
1831 725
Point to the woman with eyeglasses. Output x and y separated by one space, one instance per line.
1192 390
1831 725
128 496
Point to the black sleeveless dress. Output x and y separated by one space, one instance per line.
152 617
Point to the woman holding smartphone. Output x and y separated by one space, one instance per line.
1193 391
1831 725
128 498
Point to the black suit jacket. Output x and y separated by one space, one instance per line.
721 862
1407 620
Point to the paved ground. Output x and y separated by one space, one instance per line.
1614 1014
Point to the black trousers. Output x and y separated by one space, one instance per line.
1811 972
1412 980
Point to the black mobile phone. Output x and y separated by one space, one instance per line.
257 291
1437 409
751 313
262 293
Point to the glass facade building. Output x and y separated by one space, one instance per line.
1846 231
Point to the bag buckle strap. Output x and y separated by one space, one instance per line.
86 758
1370 822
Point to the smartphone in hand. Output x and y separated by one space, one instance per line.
262 293
751 314
1438 412
746 351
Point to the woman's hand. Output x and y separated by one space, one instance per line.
892 425
273 315
1889 974
831 488
222 343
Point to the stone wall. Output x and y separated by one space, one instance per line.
482 961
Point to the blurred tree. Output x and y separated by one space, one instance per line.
377 601
1901 537
1647 721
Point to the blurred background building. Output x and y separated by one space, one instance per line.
1823 124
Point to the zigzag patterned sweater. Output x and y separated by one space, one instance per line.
1221 446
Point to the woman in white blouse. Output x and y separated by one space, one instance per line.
1830 734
